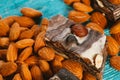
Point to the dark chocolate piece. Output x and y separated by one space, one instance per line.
64 74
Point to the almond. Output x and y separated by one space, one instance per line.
23 29
25 54
95 26
78 16
36 73
4 28
24 21
57 63
99 18
115 62
74 67
25 72
45 68
29 12
31 60
8 20
1 78
17 77
14 32
88 76
115 1
69 2
117 37
4 42
86 2
79 30
12 52
113 46
39 41
46 53
82 7
24 43
27 34
8 68
115 28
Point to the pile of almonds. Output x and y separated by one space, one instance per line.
83 13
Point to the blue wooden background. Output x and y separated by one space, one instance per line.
49 8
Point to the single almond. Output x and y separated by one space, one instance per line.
17 77
115 62
27 34
95 26
14 32
115 28
8 20
46 53
12 52
74 67
4 42
117 37
4 28
36 29
69 2
29 12
86 2
25 54
24 43
25 72
82 7
8 68
36 73
112 46
99 18
78 16
116 2
39 41
88 76
24 21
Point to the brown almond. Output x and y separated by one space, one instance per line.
36 29
39 41
27 34
116 2
4 28
115 28
69 2
46 53
74 67
32 60
25 72
1 77
24 43
14 32
99 18
17 77
12 52
8 20
78 16
45 68
117 37
36 73
29 12
95 26
24 21
82 7
115 62
23 29
25 54
8 68
86 2
112 46
88 76
4 42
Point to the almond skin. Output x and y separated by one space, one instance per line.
115 62
95 26
17 77
74 67
46 53
115 28
14 32
117 2
117 37
29 12
88 76
1 78
69 2
4 28
82 7
24 21
99 18
12 52
24 43
8 20
78 16
86 2
4 42
8 68
113 46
